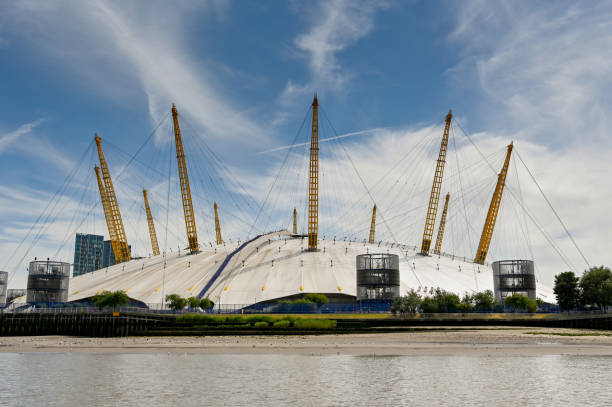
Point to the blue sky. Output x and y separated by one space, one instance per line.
243 73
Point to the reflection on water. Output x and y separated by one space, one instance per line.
80 379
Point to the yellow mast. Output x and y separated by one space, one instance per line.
190 223
313 184
487 230
294 221
152 233
116 231
107 214
438 246
434 198
373 225
217 226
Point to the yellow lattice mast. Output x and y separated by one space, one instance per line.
190 223
438 246
434 198
110 224
487 230
117 231
373 226
154 244
294 221
217 225
313 180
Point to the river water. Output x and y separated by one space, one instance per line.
97 379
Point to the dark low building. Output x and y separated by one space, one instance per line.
513 277
377 276
48 282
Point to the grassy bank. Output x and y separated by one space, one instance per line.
273 322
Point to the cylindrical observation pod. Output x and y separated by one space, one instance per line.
377 276
513 277
3 285
48 282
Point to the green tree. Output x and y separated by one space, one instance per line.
176 302
109 299
193 302
464 307
429 305
596 284
205 303
318 299
447 302
408 304
484 301
520 302
567 291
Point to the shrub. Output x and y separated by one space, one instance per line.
314 323
110 299
316 298
200 319
205 303
447 302
464 307
296 306
519 302
429 305
261 324
193 302
236 319
484 301
408 304
283 323
176 302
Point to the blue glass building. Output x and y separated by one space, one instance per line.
87 253
108 255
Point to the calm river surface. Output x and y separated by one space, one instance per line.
90 379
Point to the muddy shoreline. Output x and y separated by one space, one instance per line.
468 340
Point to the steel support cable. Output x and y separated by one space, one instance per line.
554 211
379 212
527 235
417 176
420 158
222 164
396 179
201 175
74 214
45 215
378 182
281 183
541 229
520 191
548 238
467 225
337 191
167 211
277 175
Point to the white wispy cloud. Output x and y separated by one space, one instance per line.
142 46
541 67
11 138
335 26
542 77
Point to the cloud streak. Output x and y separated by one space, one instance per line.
139 45
540 66
336 25
9 139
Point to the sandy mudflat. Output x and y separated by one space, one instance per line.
492 340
